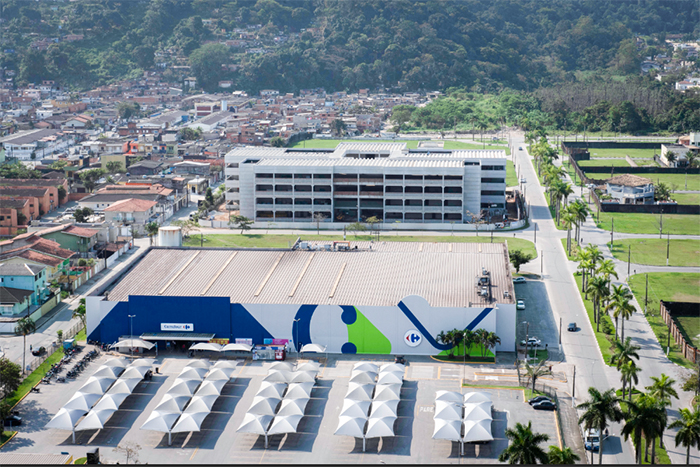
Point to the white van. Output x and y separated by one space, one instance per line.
592 440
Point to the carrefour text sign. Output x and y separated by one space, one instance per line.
176 327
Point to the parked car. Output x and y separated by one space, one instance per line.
520 148
537 399
519 280
39 351
544 405
523 180
532 342
520 305
592 440
13 420
572 327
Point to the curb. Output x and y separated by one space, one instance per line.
9 439
23 397
461 363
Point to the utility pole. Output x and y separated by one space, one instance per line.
668 246
612 231
131 333
560 330
629 256
646 294
573 392
541 262
535 232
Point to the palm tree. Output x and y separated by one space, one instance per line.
662 390
481 337
688 430
624 352
562 456
670 157
620 304
581 211
151 230
524 446
628 375
598 288
568 220
601 409
534 372
645 417
80 313
596 255
493 340
24 327
607 269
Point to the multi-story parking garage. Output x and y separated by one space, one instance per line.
357 181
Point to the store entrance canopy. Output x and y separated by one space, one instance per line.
177 336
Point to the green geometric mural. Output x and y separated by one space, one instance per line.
366 337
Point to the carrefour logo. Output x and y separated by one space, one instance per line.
412 338
176 327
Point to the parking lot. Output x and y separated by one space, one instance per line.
218 441
538 313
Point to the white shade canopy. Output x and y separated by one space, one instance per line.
279 376
95 420
303 377
124 386
135 343
473 397
353 408
447 410
360 392
380 427
183 386
211 346
226 364
120 362
477 430
142 362
308 366
196 374
201 404
209 387
237 348
96 385
478 411
313 348
387 392
264 405
110 402
109 371
198 364
450 396
172 404
270 389
447 429
160 421
65 419
135 372
284 424
82 401
366 366
384 409
292 407
255 423
358 376
351 426
299 390
392 367
220 374
285 366
390 378
189 422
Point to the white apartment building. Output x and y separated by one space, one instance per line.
356 181
35 144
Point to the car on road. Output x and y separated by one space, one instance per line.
523 180
537 399
532 342
39 351
520 148
592 440
13 420
519 280
572 327
520 305
545 405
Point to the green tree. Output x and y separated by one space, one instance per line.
624 352
598 288
186 226
80 313
240 222
646 417
81 215
629 375
688 426
534 372
206 64
621 306
151 230
90 178
338 127
401 114
127 110
561 456
10 377
18 170
114 167
599 411
209 198
191 134
61 193
58 165
32 68
518 258
277 142
6 407
524 447
356 227
24 327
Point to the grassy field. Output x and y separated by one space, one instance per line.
605 341
622 152
675 224
673 181
652 251
5 435
511 176
283 241
332 143
574 247
691 327
604 163
686 198
669 286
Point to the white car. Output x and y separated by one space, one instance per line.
520 305
532 342
523 180
519 280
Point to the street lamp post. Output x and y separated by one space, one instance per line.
296 335
527 336
131 332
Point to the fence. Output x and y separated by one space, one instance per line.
552 394
36 361
688 350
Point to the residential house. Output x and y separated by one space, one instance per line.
35 144
111 194
71 237
80 122
32 249
142 168
192 168
630 189
21 285
14 213
134 212
38 197
679 158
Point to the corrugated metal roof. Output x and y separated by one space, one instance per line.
350 162
444 274
370 147
466 154
12 458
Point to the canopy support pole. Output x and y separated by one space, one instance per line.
265 440
461 446
363 443
170 439
73 430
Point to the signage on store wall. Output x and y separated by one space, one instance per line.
177 327
412 338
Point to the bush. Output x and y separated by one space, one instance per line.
607 325
64 294
82 262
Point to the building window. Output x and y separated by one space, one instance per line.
492 193
493 167
493 180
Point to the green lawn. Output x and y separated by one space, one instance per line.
604 163
605 341
652 251
34 377
574 247
691 328
675 224
332 143
668 286
622 152
511 176
686 198
673 181
475 352
5 435
283 241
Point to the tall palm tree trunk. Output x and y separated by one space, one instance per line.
24 352
623 330
616 328
600 448
653 450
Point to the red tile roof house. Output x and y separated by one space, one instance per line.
38 251
132 211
